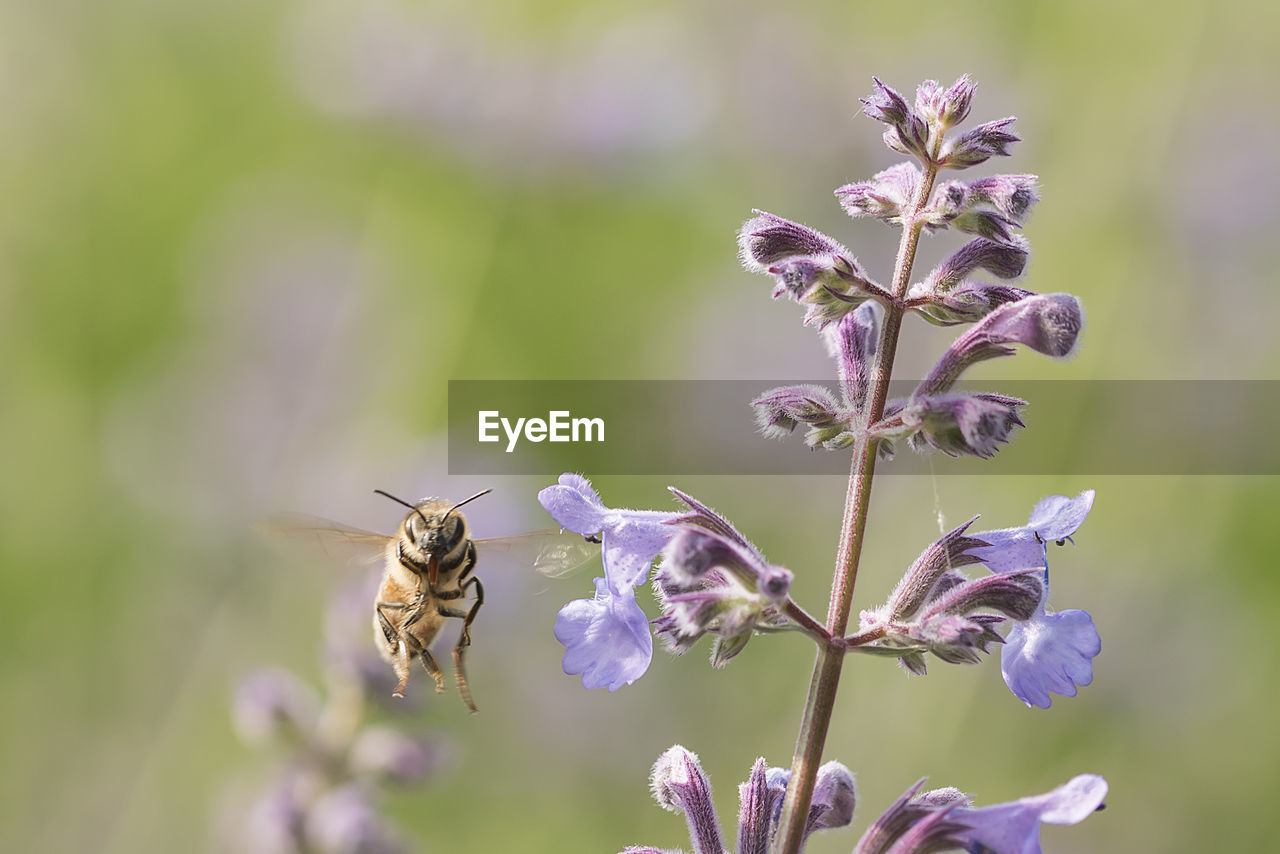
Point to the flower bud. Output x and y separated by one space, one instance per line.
976 424
1014 594
856 338
1047 323
908 133
957 639
835 795
978 145
913 823
956 423
1011 195
679 785
755 813
779 411
1003 260
948 552
808 267
948 108
885 196
967 303
708 582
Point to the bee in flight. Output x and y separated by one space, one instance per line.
427 568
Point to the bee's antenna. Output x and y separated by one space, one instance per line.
412 507
466 500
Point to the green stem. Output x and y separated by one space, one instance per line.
826 670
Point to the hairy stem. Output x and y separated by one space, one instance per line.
826 670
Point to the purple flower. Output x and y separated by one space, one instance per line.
1014 828
1052 651
607 638
274 703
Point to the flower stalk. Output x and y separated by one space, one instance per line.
825 681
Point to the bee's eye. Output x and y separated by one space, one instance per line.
451 530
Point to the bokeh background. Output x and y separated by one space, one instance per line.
244 246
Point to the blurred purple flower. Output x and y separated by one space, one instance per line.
344 821
607 638
274 703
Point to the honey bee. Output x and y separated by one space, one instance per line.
427 570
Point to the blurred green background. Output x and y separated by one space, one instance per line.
244 247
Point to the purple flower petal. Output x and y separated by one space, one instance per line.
1014 828
574 504
630 545
1054 518
1058 517
606 639
1050 653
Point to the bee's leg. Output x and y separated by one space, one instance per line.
396 640
464 640
430 665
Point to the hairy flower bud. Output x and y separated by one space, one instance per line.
908 133
967 303
760 801
857 338
679 785
709 582
948 552
885 196
807 266
1011 195
835 797
956 423
1047 323
1014 594
1003 260
913 824
978 145
779 411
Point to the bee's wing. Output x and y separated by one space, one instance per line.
337 541
552 553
